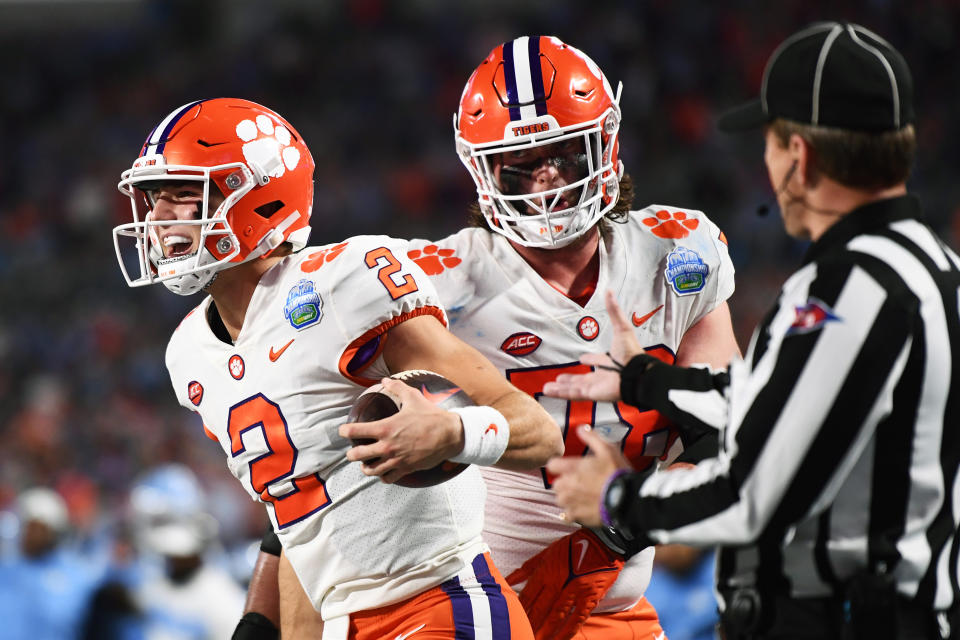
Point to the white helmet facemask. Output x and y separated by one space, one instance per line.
555 217
182 274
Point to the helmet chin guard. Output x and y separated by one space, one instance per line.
195 278
245 152
529 93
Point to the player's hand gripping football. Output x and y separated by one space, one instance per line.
603 384
565 582
420 435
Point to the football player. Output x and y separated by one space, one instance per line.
182 592
287 337
552 231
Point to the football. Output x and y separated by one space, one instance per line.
375 404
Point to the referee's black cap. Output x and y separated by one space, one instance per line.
831 74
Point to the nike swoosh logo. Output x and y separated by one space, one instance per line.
583 552
402 636
440 396
639 320
276 354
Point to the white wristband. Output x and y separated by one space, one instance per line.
485 435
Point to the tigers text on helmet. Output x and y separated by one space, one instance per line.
529 93
235 148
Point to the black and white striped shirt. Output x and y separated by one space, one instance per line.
842 445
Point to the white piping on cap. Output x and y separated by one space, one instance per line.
886 65
821 26
818 74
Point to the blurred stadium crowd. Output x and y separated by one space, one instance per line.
85 402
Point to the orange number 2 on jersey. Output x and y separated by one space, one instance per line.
309 493
389 266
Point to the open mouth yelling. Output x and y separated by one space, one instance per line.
177 246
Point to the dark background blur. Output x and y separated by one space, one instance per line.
85 402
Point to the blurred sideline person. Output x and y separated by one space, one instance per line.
285 341
681 590
537 130
46 589
182 594
166 581
834 497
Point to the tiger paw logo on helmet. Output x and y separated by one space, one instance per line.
253 167
674 225
267 146
434 260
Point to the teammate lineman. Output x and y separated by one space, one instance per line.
286 339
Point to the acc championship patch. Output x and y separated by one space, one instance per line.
304 306
811 316
686 271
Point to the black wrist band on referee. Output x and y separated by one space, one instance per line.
630 377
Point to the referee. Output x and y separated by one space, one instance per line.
835 499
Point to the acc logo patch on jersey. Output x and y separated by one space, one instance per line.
686 271
812 316
304 306
195 392
521 344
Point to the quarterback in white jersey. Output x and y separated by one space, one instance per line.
276 354
275 400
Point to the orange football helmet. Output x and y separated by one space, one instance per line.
531 92
256 159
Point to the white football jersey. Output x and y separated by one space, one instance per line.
275 400
669 267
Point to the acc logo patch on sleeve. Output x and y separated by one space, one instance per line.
195 392
304 306
686 271
812 316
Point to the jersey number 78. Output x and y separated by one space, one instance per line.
648 435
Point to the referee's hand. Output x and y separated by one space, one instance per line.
580 480
602 384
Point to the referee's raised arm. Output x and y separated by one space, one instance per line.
832 499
